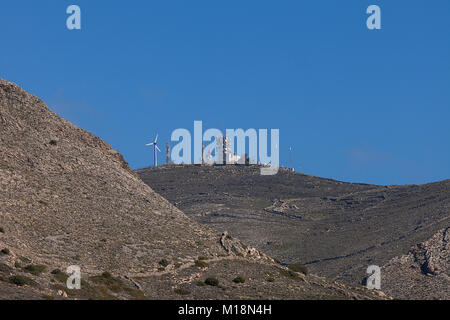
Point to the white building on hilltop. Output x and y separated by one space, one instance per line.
223 147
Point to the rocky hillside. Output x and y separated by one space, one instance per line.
337 229
423 273
67 198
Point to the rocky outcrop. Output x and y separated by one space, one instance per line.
423 273
236 247
433 255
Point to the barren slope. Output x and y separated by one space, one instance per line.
337 229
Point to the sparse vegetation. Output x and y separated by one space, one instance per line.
182 292
164 263
201 264
36 269
202 258
212 282
289 274
20 280
56 271
106 279
297 267
201 284
107 282
59 275
239 279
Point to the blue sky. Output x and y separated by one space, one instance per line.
357 105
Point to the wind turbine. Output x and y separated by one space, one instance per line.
155 144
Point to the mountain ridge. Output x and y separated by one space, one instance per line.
336 229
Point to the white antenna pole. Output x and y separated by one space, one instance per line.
290 159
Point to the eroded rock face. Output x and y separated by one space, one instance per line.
434 255
236 247
423 273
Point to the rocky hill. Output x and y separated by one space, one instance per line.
423 273
337 229
67 198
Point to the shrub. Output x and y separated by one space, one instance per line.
202 258
297 267
35 269
270 279
56 271
239 279
201 264
290 274
212 282
17 265
59 275
182 292
164 263
21 281
201 284
2 230
5 251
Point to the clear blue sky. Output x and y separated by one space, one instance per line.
356 105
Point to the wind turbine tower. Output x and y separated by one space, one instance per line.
155 144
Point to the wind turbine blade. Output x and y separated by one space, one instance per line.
150 144
157 148
156 140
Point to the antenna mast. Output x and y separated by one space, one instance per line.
290 159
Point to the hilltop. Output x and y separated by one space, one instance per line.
336 229
67 198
